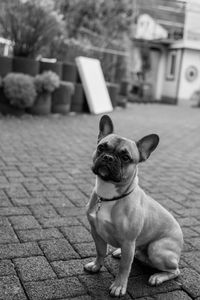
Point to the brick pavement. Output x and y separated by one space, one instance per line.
45 182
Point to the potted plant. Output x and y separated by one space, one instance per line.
5 65
55 67
61 98
19 91
25 65
69 72
45 84
79 102
113 90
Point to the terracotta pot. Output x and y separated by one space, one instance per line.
42 105
61 98
25 65
6 108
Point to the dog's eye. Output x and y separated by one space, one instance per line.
125 158
100 148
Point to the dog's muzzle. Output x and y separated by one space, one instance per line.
108 168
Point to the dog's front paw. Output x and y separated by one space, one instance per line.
92 267
118 288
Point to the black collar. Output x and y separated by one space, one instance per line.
115 198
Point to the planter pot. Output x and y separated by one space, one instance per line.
113 90
69 72
42 105
147 92
124 88
49 66
6 108
79 102
61 99
6 64
25 65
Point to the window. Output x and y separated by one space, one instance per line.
171 65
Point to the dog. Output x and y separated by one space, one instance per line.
122 215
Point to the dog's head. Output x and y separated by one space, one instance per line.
116 158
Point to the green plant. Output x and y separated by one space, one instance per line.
31 25
46 82
70 86
19 89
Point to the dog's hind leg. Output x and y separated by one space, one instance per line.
165 258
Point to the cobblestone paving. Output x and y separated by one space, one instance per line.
45 182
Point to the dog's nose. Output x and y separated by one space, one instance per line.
108 158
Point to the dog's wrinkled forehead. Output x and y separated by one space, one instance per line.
116 143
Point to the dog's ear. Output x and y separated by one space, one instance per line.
105 127
147 145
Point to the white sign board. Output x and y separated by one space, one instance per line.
148 29
94 85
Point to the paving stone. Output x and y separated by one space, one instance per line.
39 234
34 268
84 297
59 249
17 191
6 267
189 233
11 289
54 171
59 221
54 289
192 259
73 267
14 211
185 222
24 222
195 242
4 201
176 295
19 250
77 234
43 211
190 280
83 220
34 187
28 201
139 287
98 285
71 211
7 235
85 249
60 202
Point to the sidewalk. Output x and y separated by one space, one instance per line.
45 183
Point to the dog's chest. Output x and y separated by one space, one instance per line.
101 217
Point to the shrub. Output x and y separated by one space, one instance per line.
31 25
46 82
70 86
19 89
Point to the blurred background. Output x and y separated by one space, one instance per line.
149 50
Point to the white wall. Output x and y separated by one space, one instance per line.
187 88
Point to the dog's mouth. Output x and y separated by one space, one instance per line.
106 173
103 171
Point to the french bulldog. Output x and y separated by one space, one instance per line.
121 214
